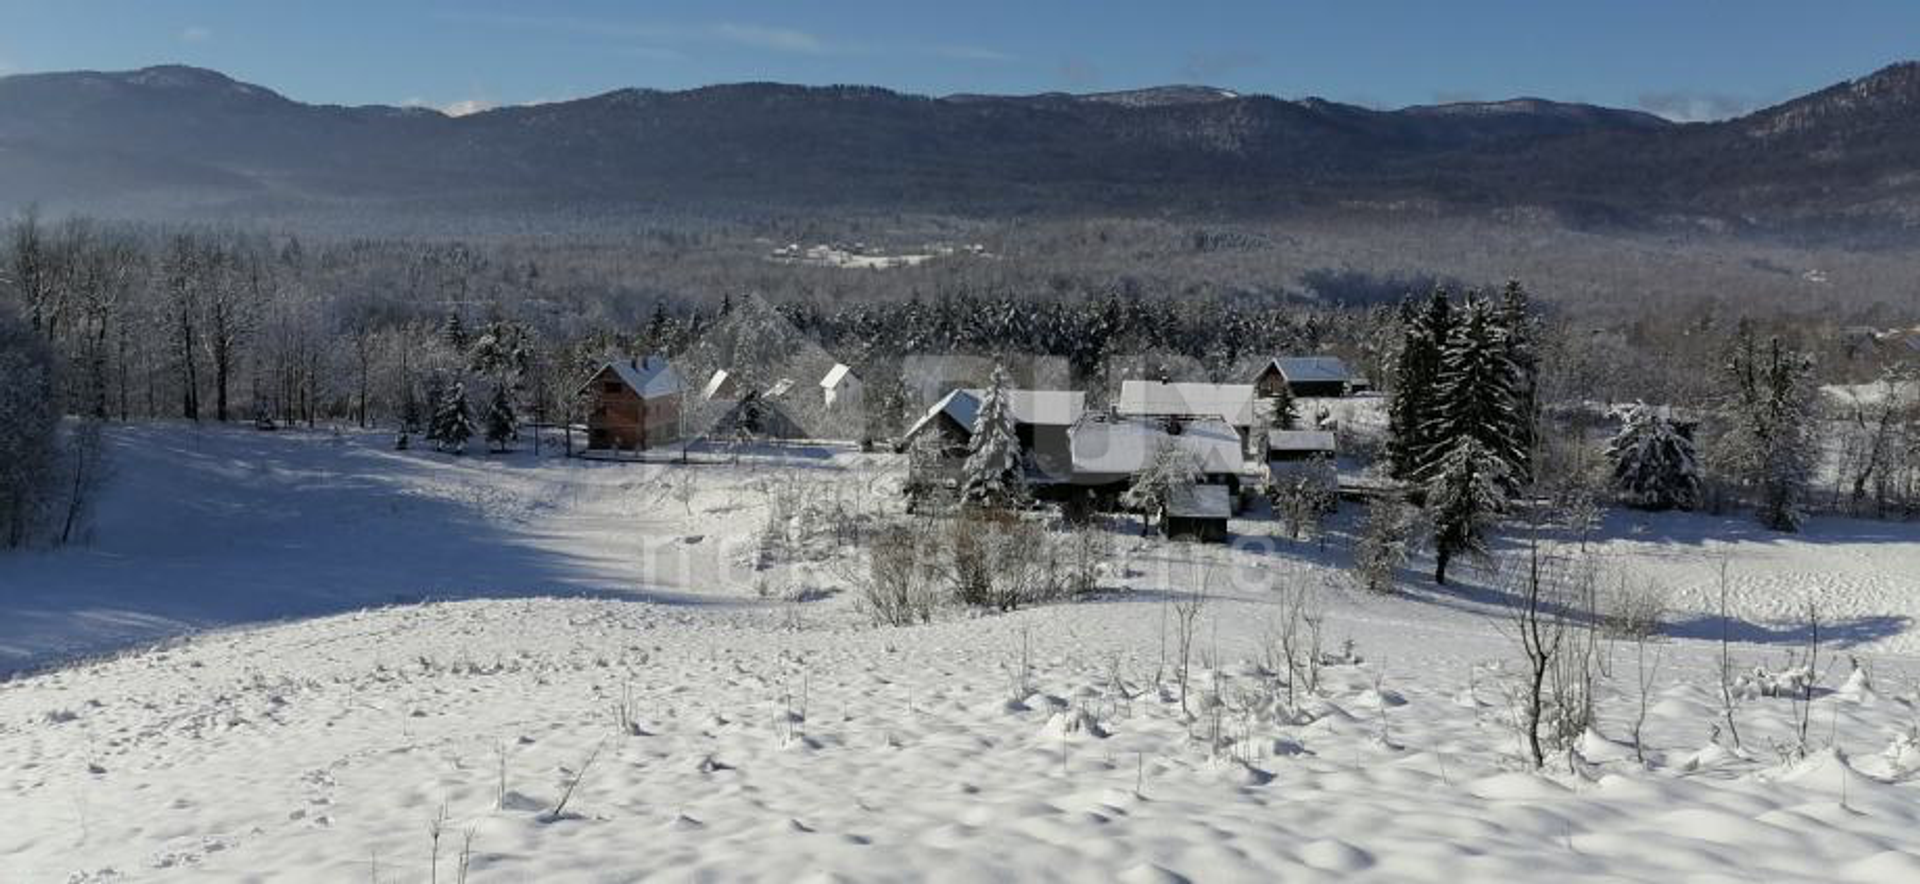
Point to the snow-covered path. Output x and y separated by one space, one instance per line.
792 741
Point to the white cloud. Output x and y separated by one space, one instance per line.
971 53
764 37
459 108
466 106
1695 107
196 34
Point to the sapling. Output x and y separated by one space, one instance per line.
1187 614
466 855
560 807
434 827
1727 697
1645 672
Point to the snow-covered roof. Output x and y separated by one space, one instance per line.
1230 402
715 384
1312 369
1300 440
1199 502
651 377
835 375
1048 408
1125 447
780 388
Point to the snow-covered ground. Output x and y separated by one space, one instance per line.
601 627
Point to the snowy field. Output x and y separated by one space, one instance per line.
286 656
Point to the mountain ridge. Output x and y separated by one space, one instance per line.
199 139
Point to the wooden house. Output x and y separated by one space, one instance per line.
634 404
1305 376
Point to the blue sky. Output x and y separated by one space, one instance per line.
1679 58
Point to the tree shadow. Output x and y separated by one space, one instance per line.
1842 634
218 527
1700 529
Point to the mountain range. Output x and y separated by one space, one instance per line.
181 139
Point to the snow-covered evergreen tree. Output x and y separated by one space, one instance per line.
1520 332
454 332
1475 398
502 426
1653 461
453 420
410 417
994 473
1465 496
1425 328
1772 444
1286 414
434 392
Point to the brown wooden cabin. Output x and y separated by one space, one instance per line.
634 405
1304 376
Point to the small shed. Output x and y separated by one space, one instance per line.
634 404
1198 512
1310 376
841 389
1285 446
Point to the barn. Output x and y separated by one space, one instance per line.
634 404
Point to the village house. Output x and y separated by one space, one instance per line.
1232 403
841 390
1041 420
1305 376
737 412
634 404
1108 453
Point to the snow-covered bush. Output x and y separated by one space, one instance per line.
1633 610
1386 539
995 559
1304 493
901 586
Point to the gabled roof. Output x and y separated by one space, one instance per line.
1199 502
1301 440
1312 369
651 377
1127 446
835 375
716 385
1050 408
1232 403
